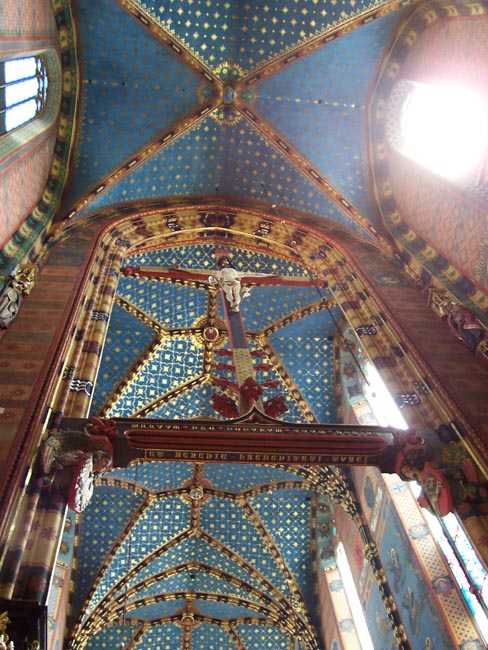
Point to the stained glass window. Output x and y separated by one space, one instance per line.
23 84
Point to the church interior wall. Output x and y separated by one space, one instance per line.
27 20
445 218
26 154
456 369
31 172
430 604
33 351
439 224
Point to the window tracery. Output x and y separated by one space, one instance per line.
23 93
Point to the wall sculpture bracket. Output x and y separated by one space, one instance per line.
18 285
442 466
71 459
462 323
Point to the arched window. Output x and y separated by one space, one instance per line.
442 127
23 91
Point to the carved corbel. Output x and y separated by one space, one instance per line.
18 285
72 460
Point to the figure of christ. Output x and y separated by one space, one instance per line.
229 280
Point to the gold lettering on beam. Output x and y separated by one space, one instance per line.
257 457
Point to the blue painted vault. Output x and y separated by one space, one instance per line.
204 555
267 104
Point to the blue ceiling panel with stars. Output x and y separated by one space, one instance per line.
132 90
224 477
271 304
222 610
200 162
288 512
245 33
305 349
154 476
170 305
173 363
210 636
168 636
194 548
128 338
159 609
241 534
111 512
159 522
108 638
232 564
191 580
202 257
330 89
264 103
270 638
196 401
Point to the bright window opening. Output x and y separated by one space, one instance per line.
23 91
353 599
445 128
380 400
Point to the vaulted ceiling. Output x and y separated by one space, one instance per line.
200 556
258 106
189 555
261 103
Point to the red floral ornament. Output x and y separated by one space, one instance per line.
224 405
226 383
271 383
275 406
264 367
100 426
250 390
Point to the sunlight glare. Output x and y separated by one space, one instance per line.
353 598
382 403
445 128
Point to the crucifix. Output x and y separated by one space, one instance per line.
250 434
235 286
